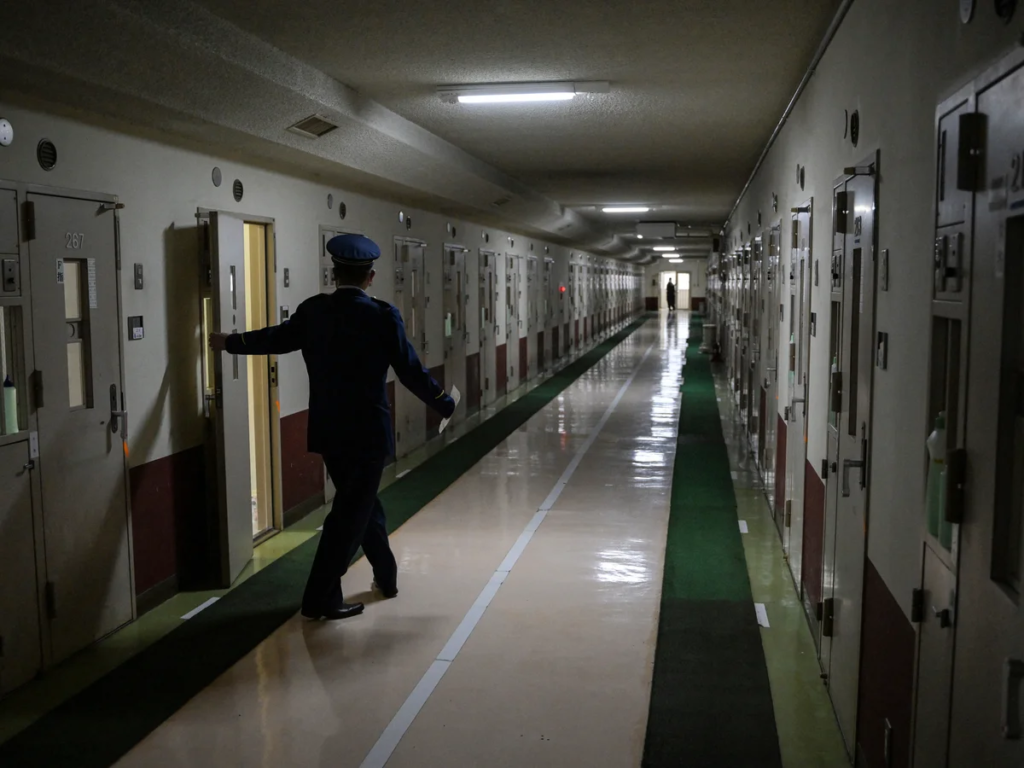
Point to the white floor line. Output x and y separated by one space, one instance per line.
396 729
199 608
762 614
743 527
402 474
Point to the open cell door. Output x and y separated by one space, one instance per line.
230 411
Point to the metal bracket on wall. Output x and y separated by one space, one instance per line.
859 170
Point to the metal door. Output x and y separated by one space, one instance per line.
410 298
847 494
513 320
988 678
489 328
80 406
230 413
770 335
796 341
456 302
755 414
533 323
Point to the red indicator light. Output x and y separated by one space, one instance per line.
561 289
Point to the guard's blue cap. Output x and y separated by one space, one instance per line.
353 250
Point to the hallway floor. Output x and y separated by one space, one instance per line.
543 620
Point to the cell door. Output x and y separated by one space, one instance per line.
81 408
753 373
488 328
987 723
326 285
847 488
534 324
230 411
770 335
513 319
795 333
456 300
410 299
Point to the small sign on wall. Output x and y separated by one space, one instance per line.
60 271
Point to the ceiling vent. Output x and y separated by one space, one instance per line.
313 127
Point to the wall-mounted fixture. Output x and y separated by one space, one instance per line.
517 93
6 133
216 177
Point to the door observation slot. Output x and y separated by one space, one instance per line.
79 352
13 403
857 303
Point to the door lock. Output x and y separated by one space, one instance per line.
942 616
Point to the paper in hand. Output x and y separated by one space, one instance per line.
456 396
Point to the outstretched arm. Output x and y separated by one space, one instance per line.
274 340
412 374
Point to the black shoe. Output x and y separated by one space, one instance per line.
385 593
343 611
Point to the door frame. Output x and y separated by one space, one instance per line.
110 202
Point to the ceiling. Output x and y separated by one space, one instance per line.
696 89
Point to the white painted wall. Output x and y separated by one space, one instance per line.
162 185
893 62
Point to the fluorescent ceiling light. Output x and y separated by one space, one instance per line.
639 237
626 209
665 248
513 98
517 93
675 261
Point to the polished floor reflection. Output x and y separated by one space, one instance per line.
554 670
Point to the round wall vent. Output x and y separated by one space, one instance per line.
855 128
408 222
46 154
342 210
330 202
215 176
454 232
237 190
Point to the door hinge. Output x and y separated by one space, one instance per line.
956 478
789 513
916 605
51 600
970 157
37 389
273 375
29 210
827 616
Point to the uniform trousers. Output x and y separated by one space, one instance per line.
356 520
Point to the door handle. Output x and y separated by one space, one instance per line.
942 616
860 464
118 415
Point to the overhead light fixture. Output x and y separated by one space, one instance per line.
626 209
639 237
675 261
517 93
665 248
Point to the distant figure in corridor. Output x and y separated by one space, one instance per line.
670 294
348 341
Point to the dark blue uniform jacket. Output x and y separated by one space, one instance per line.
348 341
